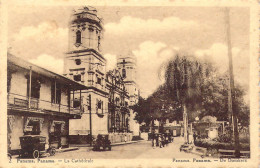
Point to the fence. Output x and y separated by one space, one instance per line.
22 102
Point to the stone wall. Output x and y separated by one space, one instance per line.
120 137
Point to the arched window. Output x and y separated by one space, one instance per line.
127 125
78 37
117 122
123 73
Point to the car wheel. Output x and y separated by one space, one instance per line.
52 151
36 154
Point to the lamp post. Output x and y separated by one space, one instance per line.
90 120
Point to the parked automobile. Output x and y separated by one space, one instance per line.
102 141
34 146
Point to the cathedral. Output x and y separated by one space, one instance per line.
109 95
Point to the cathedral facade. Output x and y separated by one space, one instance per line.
109 95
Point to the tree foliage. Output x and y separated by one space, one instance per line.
197 85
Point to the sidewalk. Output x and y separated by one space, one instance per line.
67 149
124 143
114 144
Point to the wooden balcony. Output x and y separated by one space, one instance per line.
19 102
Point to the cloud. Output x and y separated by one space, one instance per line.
44 38
48 29
49 62
150 57
132 25
218 54
111 61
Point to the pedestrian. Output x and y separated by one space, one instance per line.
166 140
160 141
154 143
194 137
125 138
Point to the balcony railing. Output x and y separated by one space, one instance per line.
22 102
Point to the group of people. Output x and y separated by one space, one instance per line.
161 140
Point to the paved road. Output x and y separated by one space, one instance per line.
142 149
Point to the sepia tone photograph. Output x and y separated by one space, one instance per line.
92 82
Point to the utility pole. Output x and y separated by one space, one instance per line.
90 120
30 87
185 129
231 95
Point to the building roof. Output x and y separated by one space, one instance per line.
42 71
88 14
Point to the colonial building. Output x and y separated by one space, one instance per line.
118 109
127 67
84 63
40 102
105 101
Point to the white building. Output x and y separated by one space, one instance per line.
84 63
127 67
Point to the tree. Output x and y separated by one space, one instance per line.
215 99
142 109
183 77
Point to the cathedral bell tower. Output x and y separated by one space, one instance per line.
127 67
84 62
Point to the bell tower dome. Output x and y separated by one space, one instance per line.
85 30
84 62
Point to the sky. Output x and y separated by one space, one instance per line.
153 35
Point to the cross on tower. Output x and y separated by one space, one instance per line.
124 62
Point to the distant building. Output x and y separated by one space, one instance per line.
127 66
40 102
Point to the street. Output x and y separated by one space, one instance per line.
139 150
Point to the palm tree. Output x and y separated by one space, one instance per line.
184 76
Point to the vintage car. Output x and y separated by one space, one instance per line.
102 141
34 146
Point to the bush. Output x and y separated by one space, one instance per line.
210 144
224 138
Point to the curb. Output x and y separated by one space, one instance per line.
114 144
67 149
124 143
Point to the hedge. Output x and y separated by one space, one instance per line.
210 144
